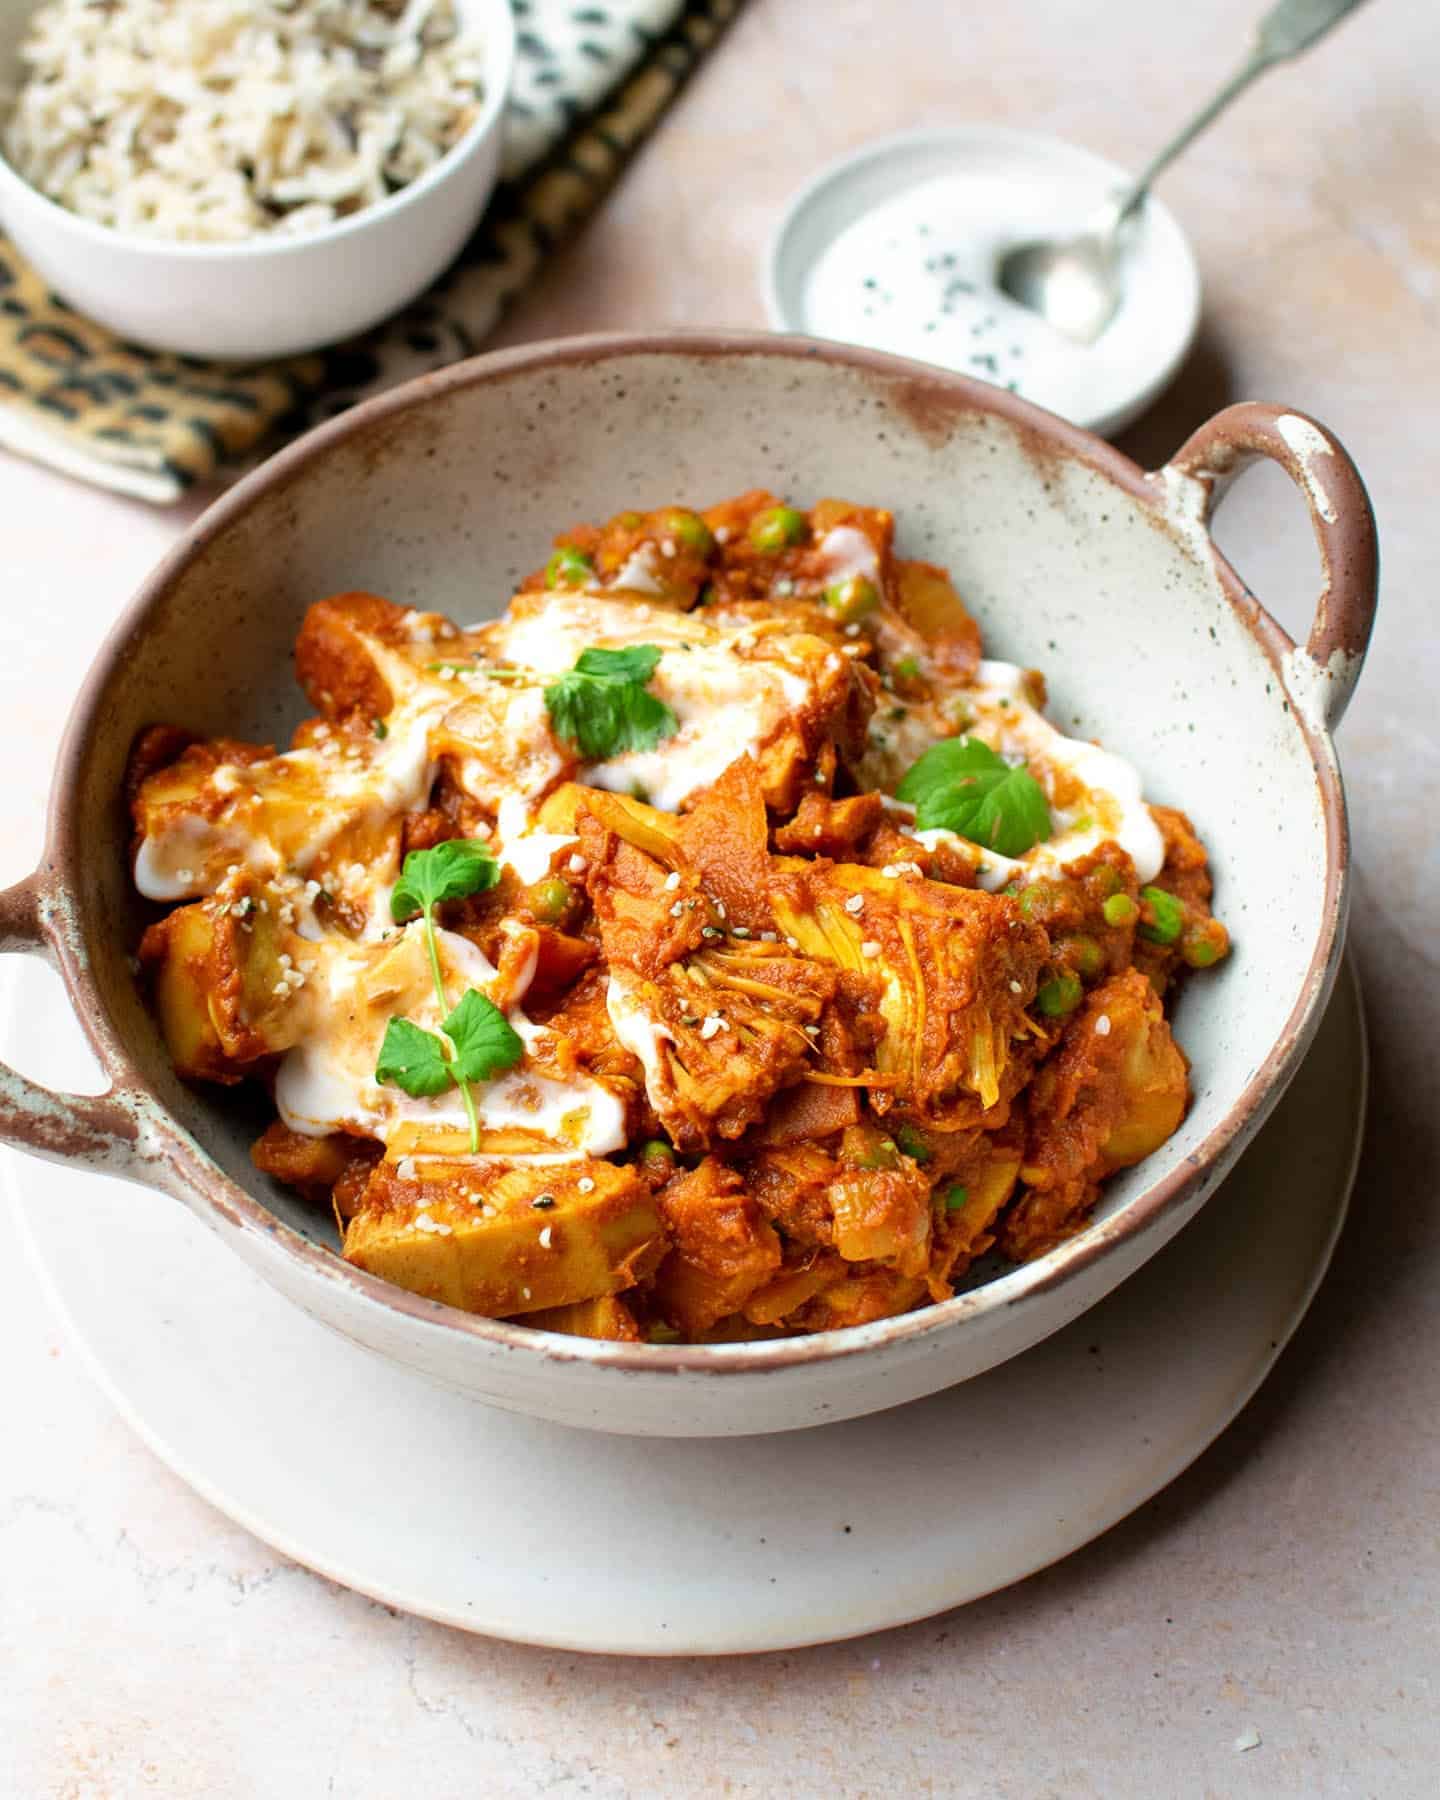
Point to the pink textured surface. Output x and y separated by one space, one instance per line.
1289 1584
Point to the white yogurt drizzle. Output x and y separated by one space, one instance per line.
283 814
640 573
327 1082
641 1035
727 701
529 852
846 552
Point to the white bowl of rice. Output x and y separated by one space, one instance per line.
238 180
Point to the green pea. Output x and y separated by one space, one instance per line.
1085 954
1120 909
568 567
657 1155
1038 897
1105 880
913 1144
780 528
1058 996
550 899
689 529
956 1198
1200 950
908 668
852 599
1168 916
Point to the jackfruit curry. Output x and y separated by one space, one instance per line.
716 946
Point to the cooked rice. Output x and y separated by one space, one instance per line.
214 120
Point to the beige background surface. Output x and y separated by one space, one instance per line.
1289 1583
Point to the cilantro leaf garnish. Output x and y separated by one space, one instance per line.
478 1042
961 785
604 707
485 1041
450 871
413 1059
417 1060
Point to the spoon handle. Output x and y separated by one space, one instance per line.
1286 30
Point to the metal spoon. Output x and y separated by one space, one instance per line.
1075 283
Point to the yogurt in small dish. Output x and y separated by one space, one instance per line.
896 248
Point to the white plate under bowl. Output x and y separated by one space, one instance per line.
502 1524
1053 189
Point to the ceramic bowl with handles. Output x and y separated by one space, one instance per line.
443 493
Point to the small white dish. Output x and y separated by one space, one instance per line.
895 246
267 296
682 1547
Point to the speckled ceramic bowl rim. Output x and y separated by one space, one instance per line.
40 911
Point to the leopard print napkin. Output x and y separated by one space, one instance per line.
591 80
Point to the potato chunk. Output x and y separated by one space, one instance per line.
475 1238
883 1215
925 598
224 804
827 827
1114 1090
859 1300
356 650
970 1201
724 1248
336 1165
499 741
606 1318
302 1162
178 953
224 995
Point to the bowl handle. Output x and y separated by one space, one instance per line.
1321 675
106 1131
